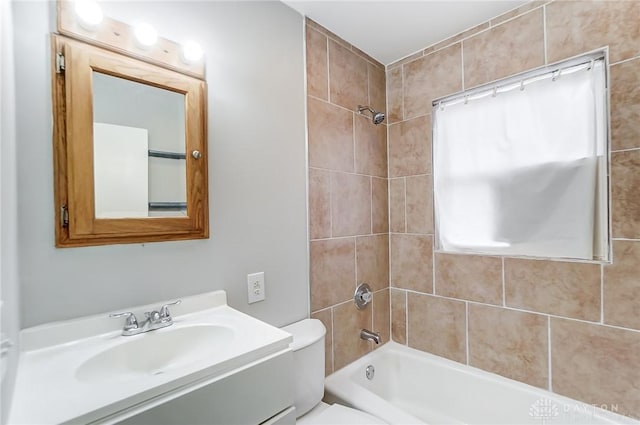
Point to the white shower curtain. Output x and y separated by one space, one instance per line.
522 171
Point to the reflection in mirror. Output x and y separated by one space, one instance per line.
139 149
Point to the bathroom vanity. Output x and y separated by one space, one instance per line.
213 365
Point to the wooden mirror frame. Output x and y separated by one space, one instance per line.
72 93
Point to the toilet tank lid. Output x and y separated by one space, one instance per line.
305 333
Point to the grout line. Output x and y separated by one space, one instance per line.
433 266
504 292
466 324
321 310
328 72
353 134
626 150
355 262
369 86
371 204
521 310
351 173
330 103
462 62
330 206
544 33
333 342
550 369
350 237
602 294
625 239
404 182
406 318
402 91
624 60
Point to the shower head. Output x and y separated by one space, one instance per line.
376 117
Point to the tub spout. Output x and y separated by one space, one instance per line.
367 335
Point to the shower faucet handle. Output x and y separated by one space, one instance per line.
362 296
165 314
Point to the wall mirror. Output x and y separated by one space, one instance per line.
130 149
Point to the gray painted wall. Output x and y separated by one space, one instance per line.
9 290
257 177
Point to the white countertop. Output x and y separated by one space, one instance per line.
49 391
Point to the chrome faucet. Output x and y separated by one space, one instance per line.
367 335
154 320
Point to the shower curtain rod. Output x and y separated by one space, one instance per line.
520 80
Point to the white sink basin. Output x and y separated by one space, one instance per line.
155 352
85 371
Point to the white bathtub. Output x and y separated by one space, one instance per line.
412 387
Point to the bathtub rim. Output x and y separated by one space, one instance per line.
339 386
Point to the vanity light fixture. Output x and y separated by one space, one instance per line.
89 12
191 51
145 34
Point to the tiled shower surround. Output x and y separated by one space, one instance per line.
348 198
570 327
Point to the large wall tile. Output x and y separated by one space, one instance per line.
419 204
319 204
332 271
381 315
622 286
410 147
377 88
371 147
412 262
437 325
398 315
596 364
394 95
347 344
379 205
554 287
575 27
625 196
317 69
348 77
350 204
325 317
397 207
430 77
506 49
469 277
510 343
625 105
330 136
372 261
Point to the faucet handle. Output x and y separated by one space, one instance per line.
164 310
130 322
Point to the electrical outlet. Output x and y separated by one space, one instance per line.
255 287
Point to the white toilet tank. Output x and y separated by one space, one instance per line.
308 357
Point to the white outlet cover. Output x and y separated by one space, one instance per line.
255 287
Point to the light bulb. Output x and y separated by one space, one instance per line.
89 12
145 34
191 51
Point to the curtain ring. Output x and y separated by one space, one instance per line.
466 99
441 106
495 91
521 85
590 67
556 76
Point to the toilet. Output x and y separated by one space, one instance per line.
308 355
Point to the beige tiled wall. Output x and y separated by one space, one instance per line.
570 327
348 197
